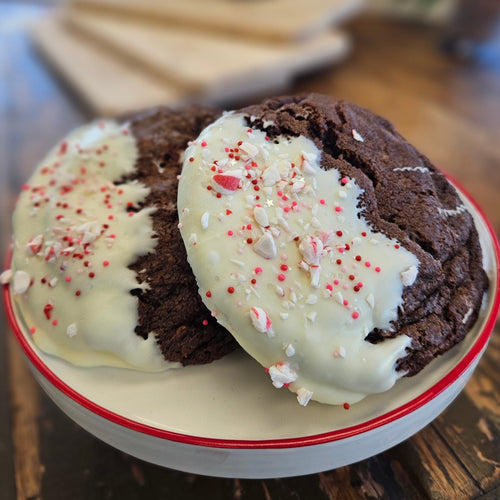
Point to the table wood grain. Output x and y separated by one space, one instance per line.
448 108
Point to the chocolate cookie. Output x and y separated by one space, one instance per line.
335 253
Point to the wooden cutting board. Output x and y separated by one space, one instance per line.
106 83
209 65
257 19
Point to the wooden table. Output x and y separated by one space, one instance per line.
449 109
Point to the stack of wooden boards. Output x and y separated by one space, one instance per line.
121 55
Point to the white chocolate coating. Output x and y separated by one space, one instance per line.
286 263
77 228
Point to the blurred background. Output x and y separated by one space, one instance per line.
118 55
432 67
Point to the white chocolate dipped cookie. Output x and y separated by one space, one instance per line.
77 227
287 264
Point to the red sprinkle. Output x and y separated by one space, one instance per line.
205 322
281 277
54 322
204 144
284 267
78 293
230 289
32 331
355 315
47 310
105 263
68 278
358 258
377 269
63 148
258 270
91 274
346 406
209 293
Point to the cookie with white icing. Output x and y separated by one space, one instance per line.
99 273
337 255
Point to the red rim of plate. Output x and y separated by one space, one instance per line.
316 439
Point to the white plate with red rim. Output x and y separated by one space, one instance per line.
226 419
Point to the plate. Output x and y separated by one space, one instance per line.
225 419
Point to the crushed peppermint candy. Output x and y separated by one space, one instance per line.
72 330
409 276
260 320
6 277
21 281
204 220
226 183
357 136
304 396
265 246
282 374
260 216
